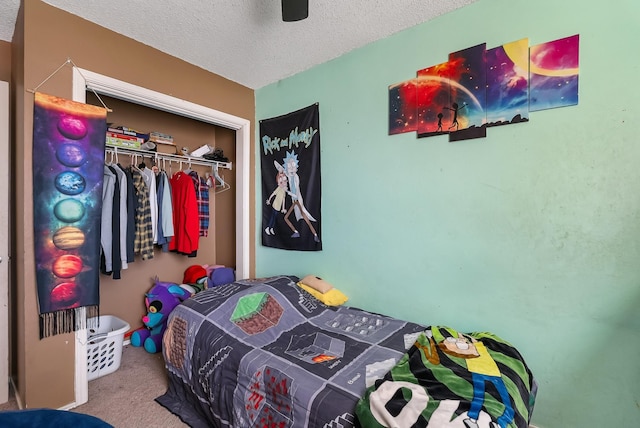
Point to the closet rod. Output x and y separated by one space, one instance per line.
167 156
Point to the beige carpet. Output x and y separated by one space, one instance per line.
125 398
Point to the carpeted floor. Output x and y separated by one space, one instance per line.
125 398
12 404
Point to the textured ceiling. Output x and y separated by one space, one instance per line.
246 41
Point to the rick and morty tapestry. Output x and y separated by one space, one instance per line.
68 154
290 164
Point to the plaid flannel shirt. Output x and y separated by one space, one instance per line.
202 195
143 242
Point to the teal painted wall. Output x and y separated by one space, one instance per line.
532 233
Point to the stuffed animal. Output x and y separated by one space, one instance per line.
195 278
160 300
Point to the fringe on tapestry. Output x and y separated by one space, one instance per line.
69 320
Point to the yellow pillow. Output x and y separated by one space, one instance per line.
333 297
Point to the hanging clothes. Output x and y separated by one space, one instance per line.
106 233
116 255
202 197
123 213
132 206
143 242
150 181
185 214
165 211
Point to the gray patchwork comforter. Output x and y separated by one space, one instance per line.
266 353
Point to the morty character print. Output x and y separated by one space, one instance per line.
290 165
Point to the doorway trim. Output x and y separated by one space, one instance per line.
4 242
84 80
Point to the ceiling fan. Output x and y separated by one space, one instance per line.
295 10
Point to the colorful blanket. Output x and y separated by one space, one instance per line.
450 379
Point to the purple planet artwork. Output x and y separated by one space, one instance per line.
68 151
554 74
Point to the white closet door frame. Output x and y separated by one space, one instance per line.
4 241
84 80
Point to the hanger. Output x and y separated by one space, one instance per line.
134 161
154 164
224 188
216 174
219 183
188 170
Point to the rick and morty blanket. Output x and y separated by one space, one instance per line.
450 379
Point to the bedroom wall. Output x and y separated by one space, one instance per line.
531 232
45 38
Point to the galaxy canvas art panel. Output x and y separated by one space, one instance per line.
68 154
468 76
554 70
508 83
432 97
403 107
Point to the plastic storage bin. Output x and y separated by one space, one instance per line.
104 346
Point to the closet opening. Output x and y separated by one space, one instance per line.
190 122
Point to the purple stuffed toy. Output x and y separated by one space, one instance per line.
159 301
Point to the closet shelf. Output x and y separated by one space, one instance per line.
168 157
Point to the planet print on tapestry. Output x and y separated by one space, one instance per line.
66 294
70 183
72 127
69 210
68 238
67 266
70 155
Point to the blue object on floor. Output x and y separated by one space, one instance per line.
49 418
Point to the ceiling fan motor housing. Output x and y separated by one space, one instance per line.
295 10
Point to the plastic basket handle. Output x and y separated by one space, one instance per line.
100 336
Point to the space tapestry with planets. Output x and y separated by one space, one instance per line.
68 154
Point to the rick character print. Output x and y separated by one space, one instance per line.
290 168
277 200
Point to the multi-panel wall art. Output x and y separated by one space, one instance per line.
479 88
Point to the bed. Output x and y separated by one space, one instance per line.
266 353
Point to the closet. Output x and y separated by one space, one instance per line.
191 126
123 297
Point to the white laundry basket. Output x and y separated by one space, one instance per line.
104 345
